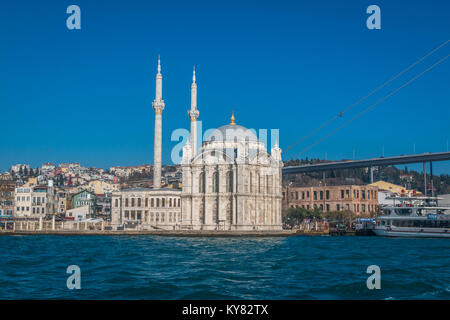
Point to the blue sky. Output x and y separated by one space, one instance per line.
85 95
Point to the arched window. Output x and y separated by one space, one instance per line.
216 181
201 182
257 183
230 181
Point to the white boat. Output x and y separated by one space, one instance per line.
413 217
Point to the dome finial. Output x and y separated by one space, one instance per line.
232 118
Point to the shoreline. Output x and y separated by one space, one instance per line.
169 233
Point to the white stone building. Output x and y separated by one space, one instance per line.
233 183
147 209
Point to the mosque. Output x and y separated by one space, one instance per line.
230 183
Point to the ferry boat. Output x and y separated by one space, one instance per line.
413 217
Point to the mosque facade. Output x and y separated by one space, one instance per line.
231 183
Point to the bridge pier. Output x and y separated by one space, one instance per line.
371 174
425 178
431 178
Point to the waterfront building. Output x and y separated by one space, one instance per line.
31 201
233 183
61 202
146 208
84 198
360 199
103 206
77 214
7 198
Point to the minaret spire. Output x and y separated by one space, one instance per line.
193 114
158 106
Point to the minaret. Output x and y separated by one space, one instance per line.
158 106
193 115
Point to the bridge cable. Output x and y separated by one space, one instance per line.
367 96
373 105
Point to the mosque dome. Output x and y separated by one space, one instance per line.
232 132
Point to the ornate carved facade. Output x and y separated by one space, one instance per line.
233 183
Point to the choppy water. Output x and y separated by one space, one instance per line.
153 267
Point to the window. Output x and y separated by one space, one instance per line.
315 195
163 202
201 182
328 207
152 203
117 203
342 194
303 195
179 202
157 202
216 182
146 202
230 181
321 195
327 194
132 202
296 195
170 202
139 202
126 202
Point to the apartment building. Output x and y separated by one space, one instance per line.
362 200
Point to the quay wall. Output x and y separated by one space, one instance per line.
174 233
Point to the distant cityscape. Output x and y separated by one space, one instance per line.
71 191
61 189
